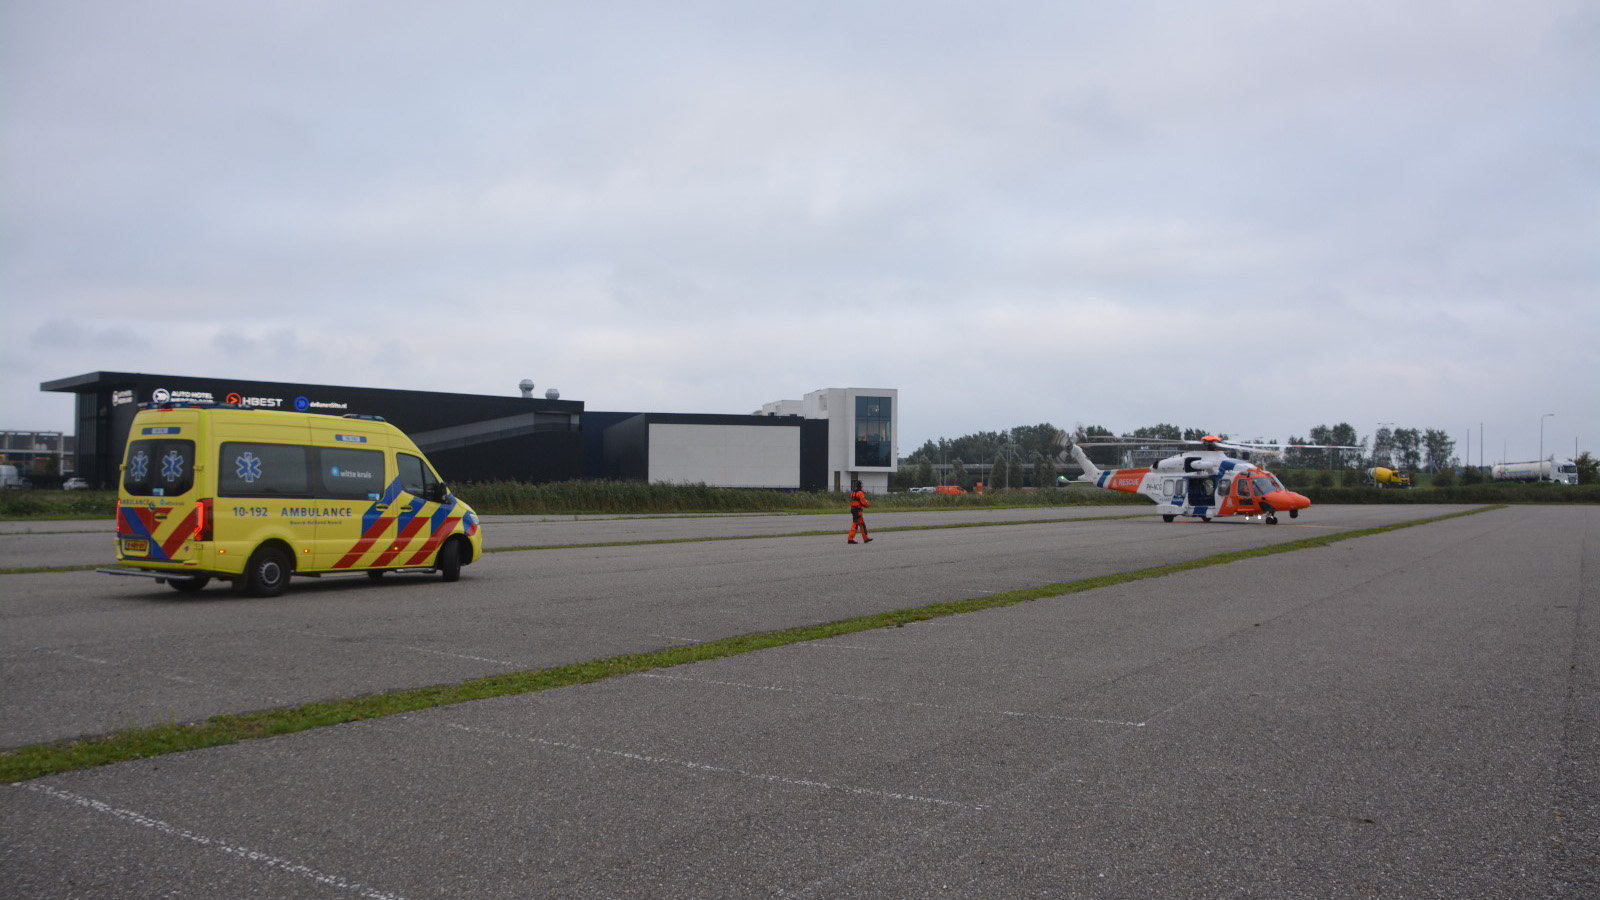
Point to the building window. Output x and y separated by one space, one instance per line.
874 444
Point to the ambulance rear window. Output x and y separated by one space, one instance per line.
159 468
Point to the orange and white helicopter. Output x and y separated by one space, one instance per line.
1204 483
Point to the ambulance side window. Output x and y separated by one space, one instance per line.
417 479
248 469
350 474
159 468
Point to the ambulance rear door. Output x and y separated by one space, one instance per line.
158 509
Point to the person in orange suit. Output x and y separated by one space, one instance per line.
858 502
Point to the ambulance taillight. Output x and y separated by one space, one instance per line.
202 525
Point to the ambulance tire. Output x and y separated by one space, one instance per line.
267 574
189 585
449 561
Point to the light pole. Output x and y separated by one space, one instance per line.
1541 443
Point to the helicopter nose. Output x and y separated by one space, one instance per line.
1286 501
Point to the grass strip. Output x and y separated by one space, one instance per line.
38 760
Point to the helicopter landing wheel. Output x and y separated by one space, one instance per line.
1272 520
1167 518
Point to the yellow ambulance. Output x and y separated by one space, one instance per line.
254 496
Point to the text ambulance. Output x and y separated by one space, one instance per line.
254 496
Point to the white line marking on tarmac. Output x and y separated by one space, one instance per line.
381 643
677 639
498 662
77 656
912 704
180 679
719 770
255 856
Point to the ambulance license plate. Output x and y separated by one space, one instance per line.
136 547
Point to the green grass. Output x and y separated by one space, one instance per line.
174 737
57 504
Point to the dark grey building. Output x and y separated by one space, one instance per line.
469 437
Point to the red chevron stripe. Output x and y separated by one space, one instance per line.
367 540
434 540
184 531
401 540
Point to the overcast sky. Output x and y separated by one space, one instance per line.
1250 217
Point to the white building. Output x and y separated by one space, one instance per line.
863 432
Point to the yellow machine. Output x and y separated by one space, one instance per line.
1385 477
255 496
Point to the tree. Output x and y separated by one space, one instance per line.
1588 468
1302 457
958 472
1383 447
1161 432
1044 470
1340 435
1007 464
1408 448
1440 449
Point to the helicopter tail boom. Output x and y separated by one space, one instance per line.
1091 472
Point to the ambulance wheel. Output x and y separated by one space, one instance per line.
449 561
267 573
375 574
189 585
1168 518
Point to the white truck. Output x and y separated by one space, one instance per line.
1560 471
11 479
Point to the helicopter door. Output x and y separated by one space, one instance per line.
1245 494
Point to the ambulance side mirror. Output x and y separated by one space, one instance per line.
436 492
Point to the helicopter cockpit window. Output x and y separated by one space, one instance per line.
1266 484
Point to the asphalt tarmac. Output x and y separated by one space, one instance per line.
1408 714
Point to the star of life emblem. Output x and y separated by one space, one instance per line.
248 467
